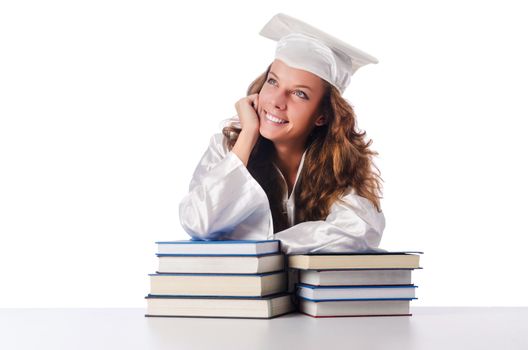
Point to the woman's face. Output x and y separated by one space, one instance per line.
288 104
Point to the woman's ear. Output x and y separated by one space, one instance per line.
321 120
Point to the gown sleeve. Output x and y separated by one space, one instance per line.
222 194
353 224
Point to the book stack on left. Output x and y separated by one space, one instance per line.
239 279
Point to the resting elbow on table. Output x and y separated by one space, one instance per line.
197 223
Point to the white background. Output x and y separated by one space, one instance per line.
107 106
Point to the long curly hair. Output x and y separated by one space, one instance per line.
337 159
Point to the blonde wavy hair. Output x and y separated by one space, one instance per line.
338 158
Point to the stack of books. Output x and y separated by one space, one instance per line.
355 284
239 279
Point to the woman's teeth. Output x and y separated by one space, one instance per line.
274 119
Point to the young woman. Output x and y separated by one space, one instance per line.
293 166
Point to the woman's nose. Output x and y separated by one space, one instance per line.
279 100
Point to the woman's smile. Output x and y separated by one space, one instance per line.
274 120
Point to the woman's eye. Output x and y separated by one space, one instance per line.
271 81
301 94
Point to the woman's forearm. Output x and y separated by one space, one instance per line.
244 145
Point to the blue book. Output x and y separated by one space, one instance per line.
335 293
218 248
170 263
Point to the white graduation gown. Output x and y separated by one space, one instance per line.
226 203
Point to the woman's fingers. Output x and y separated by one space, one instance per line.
247 109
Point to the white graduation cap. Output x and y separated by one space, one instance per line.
303 46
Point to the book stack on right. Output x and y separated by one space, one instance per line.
356 284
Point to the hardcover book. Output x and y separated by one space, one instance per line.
355 277
197 247
407 260
186 306
185 284
220 264
355 292
355 308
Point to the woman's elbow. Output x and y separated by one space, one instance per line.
193 221
367 239
373 238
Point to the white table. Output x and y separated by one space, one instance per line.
428 328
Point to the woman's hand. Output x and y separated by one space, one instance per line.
247 110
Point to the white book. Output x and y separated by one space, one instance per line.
221 264
355 277
346 261
265 307
355 308
355 292
245 247
218 284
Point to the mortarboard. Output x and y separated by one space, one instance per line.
303 46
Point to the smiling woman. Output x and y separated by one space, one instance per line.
291 165
289 107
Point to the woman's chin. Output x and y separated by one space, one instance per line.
268 134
